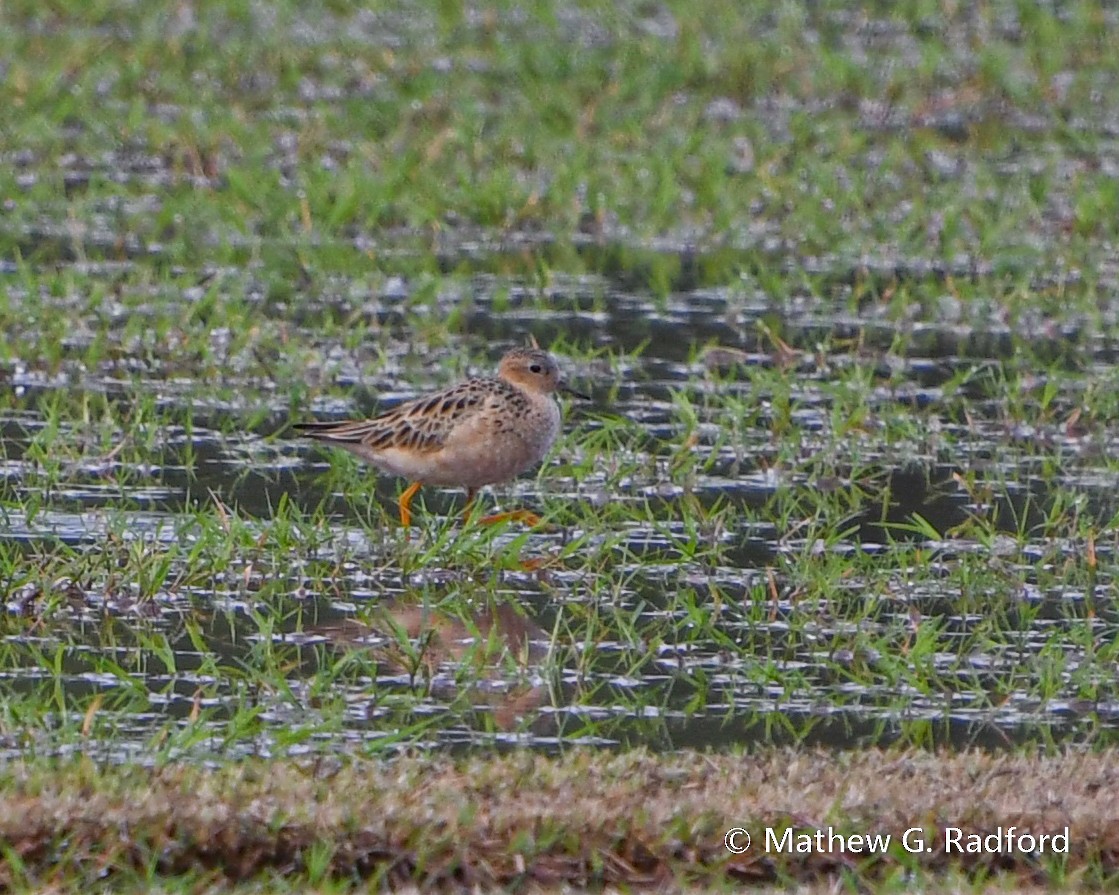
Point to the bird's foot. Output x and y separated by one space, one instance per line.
526 516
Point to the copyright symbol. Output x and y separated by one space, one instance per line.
737 840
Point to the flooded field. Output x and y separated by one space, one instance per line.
753 539
846 476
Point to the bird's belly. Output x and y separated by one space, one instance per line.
483 464
481 453
477 453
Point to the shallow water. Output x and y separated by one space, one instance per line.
775 664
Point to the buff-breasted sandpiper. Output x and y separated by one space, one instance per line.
479 432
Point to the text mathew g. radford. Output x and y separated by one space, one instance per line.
916 840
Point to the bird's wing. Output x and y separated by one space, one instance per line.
422 424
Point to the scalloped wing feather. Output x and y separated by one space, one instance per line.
422 425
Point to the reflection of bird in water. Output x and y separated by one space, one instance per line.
479 432
412 638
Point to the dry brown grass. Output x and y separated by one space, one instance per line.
527 821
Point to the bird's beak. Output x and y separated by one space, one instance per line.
568 390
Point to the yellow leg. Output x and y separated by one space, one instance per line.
470 494
526 516
529 518
406 503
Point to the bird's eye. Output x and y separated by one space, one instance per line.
535 368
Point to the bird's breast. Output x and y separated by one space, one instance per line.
495 447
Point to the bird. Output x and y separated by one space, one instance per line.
483 431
